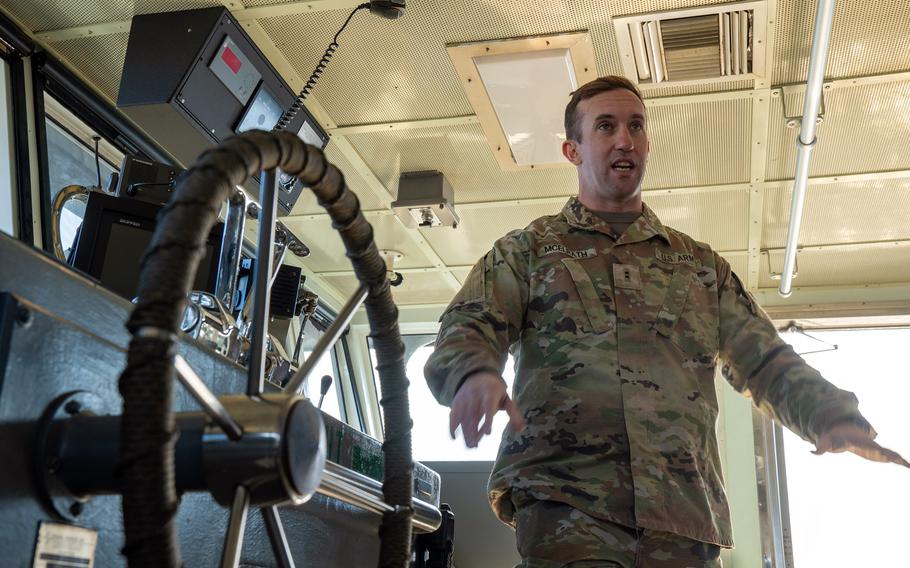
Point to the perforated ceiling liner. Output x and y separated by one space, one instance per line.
328 252
99 58
885 264
481 227
368 200
417 288
718 218
841 213
461 153
868 38
697 144
866 128
677 90
403 63
45 15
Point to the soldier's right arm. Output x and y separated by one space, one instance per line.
483 320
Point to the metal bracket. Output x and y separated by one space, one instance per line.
792 121
777 275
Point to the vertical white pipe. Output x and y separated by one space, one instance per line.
824 18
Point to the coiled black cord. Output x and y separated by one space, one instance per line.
289 114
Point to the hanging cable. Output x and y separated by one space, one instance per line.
290 113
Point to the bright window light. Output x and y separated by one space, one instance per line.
430 440
845 511
430 437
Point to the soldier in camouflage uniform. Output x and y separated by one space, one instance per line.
616 323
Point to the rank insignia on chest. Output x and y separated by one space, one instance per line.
670 257
626 276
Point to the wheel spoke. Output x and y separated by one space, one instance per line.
233 541
276 535
328 338
206 399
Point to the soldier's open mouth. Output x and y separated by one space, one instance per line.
623 166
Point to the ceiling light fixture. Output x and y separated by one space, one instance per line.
519 89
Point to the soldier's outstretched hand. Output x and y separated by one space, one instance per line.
848 437
482 395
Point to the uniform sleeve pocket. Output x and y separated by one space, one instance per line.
473 293
594 308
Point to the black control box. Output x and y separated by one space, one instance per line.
193 78
146 180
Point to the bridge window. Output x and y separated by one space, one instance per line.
430 437
841 498
7 155
71 161
327 365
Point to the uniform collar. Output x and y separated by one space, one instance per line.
645 227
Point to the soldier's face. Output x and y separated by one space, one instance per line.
613 151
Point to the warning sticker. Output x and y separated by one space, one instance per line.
65 546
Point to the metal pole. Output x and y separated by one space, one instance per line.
361 491
328 339
261 276
824 19
231 247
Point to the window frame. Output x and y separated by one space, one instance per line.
50 78
348 403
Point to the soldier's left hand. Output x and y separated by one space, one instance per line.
848 437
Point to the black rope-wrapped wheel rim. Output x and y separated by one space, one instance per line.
167 271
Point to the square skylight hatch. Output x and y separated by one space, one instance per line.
519 89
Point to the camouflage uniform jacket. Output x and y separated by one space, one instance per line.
616 342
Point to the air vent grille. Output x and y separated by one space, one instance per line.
704 44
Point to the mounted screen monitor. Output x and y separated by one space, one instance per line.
116 231
262 113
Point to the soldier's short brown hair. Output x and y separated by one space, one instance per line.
588 90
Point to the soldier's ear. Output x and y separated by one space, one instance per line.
570 151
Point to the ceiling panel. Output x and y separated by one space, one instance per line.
404 64
46 15
866 128
699 144
307 204
867 265
416 288
696 144
327 250
841 213
480 228
697 89
867 39
99 59
717 218
462 154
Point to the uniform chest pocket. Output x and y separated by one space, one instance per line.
686 316
593 303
